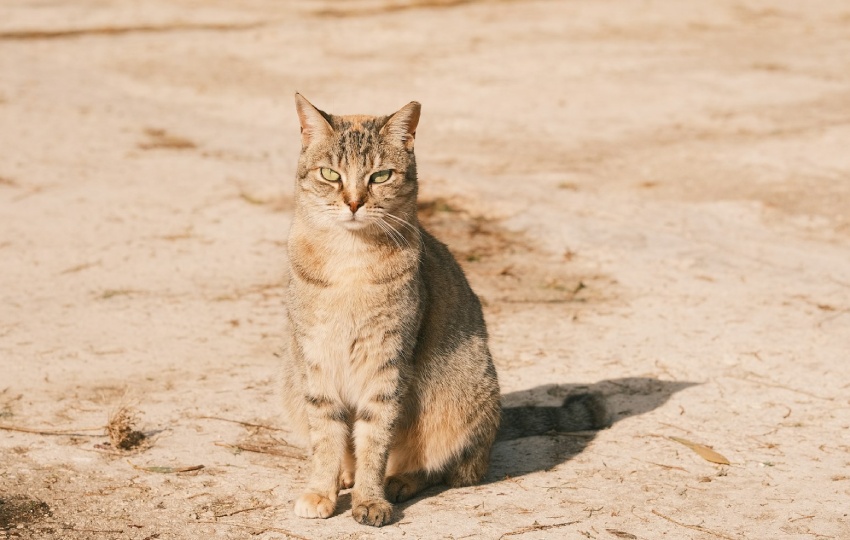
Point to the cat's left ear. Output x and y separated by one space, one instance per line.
401 127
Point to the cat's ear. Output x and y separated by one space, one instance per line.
314 125
401 127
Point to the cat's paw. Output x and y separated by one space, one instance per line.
374 512
399 489
346 480
313 505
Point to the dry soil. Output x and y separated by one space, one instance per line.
652 199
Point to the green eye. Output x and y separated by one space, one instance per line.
329 174
380 177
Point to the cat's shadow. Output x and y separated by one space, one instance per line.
623 397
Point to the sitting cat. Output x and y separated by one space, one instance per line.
387 373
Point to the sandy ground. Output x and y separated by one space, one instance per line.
652 199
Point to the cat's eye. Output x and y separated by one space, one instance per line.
380 177
329 174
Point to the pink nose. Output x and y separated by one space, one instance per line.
354 205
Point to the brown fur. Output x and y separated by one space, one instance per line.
388 377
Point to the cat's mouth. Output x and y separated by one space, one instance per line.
354 223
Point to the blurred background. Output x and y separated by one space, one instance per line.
651 197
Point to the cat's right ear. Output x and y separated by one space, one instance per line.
314 125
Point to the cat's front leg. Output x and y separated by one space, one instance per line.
372 436
329 433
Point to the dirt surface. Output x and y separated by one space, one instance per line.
652 199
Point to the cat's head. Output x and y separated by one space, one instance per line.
356 172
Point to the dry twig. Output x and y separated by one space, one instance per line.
663 466
692 527
63 527
261 507
260 529
750 378
167 470
261 449
537 527
72 433
240 422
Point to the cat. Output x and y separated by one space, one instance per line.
387 375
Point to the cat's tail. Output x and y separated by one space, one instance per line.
580 412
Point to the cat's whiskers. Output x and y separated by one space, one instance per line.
383 228
399 238
403 222
383 214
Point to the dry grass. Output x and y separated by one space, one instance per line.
121 429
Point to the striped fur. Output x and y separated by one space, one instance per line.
388 370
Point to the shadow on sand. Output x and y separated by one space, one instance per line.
623 397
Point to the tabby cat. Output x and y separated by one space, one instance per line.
387 376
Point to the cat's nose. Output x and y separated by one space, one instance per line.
354 205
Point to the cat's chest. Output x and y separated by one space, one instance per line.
352 309
349 299
348 270
349 330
